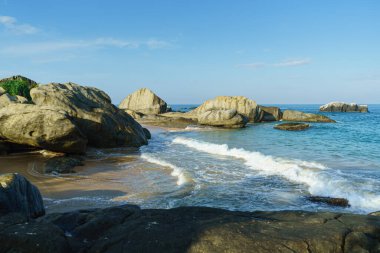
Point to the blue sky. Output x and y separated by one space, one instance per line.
273 51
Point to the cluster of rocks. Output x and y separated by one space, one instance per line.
222 111
343 107
66 118
25 228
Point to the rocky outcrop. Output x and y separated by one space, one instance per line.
343 107
271 113
18 195
292 126
290 115
41 127
191 229
222 118
7 99
103 124
144 101
244 106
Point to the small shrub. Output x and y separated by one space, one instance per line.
17 87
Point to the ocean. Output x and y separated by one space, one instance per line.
248 169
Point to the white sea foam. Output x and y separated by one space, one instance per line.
176 171
319 179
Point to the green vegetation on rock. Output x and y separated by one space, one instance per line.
18 87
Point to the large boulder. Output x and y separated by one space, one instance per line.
290 115
343 107
91 109
17 194
222 118
270 113
144 101
41 127
242 105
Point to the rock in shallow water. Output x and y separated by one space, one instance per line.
18 195
330 201
290 115
292 126
62 164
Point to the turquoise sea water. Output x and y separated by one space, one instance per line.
260 168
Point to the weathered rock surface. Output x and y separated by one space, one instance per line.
271 113
41 127
144 101
343 107
191 229
290 115
242 105
7 99
330 201
292 126
18 195
222 118
91 109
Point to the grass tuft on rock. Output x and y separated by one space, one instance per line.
18 87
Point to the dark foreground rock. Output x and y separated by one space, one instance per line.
292 126
330 201
191 229
18 195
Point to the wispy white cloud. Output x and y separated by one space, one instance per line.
292 62
284 63
12 25
67 45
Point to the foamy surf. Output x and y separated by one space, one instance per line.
319 179
176 171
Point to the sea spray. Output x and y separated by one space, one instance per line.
176 171
319 179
